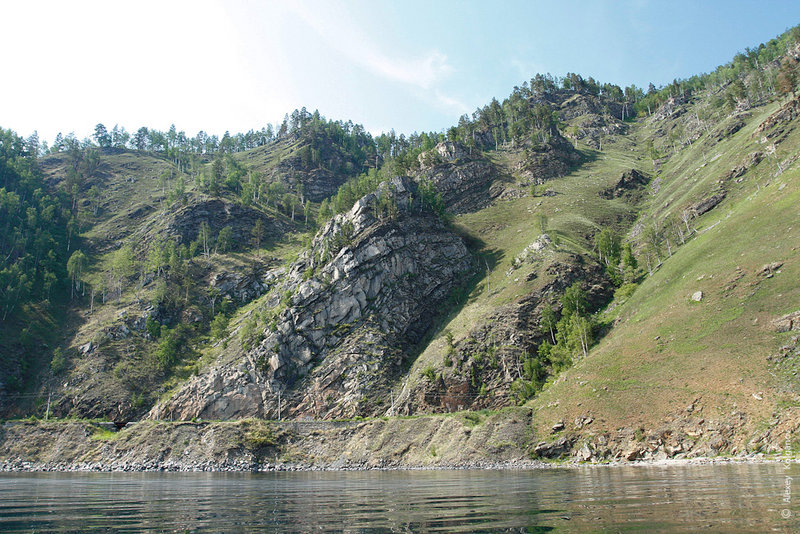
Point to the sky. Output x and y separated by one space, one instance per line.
407 65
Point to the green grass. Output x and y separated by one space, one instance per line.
505 228
103 434
673 350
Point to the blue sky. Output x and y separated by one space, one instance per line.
407 65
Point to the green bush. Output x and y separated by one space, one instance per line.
168 350
624 292
152 327
219 326
59 362
430 373
523 390
471 418
249 335
138 400
259 435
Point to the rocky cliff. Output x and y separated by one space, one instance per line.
307 164
463 180
183 224
342 324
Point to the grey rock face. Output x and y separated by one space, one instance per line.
242 286
560 447
580 104
787 323
597 117
317 183
463 181
674 107
367 290
549 160
785 114
508 334
450 151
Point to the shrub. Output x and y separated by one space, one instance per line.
624 292
430 373
152 327
168 348
523 390
259 435
249 334
138 400
59 362
219 326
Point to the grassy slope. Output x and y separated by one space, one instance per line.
507 227
265 158
668 351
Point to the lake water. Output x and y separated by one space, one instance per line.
679 498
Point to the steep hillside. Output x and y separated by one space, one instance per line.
312 163
582 271
699 338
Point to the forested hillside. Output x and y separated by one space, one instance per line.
578 249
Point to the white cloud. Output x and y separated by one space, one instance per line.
452 104
424 72
526 69
201 64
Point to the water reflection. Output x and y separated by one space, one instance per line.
745 498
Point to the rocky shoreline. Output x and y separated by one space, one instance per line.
19 465
470 440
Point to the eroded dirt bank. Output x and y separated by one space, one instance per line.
464 440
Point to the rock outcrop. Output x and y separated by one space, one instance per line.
317 183
628 186
674 107
787 323
245 285
494 351
580 104
752 159
463 181
549 160
707 204
785 114
343 321
593 118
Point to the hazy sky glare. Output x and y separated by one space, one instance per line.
408 65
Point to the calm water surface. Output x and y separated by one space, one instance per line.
712 498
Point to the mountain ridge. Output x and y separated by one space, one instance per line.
545 253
